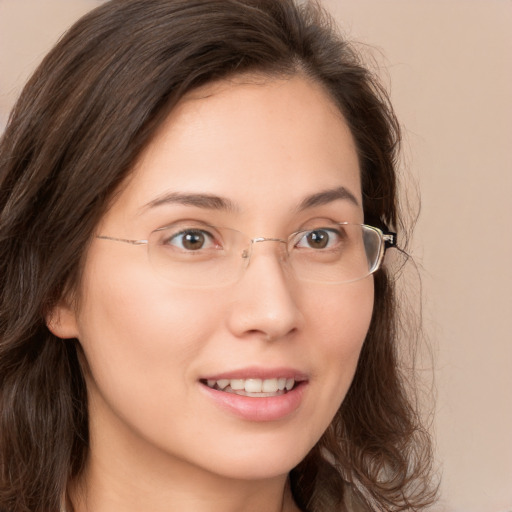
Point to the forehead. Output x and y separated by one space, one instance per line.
253 140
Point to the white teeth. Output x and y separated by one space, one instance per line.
222 383
269 386
253 385
237 384
265 386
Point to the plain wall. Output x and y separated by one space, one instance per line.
448 64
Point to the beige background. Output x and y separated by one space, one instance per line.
448 64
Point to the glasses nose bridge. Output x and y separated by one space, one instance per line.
247 253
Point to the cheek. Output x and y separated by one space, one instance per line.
139 334
343 315
342 322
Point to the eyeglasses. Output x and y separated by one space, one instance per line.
195 254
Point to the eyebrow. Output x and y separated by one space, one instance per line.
326 197
205 201
214 202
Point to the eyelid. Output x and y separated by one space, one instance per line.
179 229
325 221
331 230
172 238
216 230
186 224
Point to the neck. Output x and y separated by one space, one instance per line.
105 492
124 475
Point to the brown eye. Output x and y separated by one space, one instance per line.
318 239
191 240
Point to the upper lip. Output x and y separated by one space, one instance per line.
255 372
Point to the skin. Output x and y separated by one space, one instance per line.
158 441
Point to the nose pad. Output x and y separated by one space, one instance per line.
247 253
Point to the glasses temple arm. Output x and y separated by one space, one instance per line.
390 239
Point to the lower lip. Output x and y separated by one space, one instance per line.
271 408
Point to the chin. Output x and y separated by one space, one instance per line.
260 460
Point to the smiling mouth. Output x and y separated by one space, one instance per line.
258 388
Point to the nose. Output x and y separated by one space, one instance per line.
265 300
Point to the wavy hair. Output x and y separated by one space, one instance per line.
73 137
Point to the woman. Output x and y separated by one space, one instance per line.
195 201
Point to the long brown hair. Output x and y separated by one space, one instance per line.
73 137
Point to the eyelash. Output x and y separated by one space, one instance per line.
199 235
339 233
191 231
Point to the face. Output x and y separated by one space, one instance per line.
155 348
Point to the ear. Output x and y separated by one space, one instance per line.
61 320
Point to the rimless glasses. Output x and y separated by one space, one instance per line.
195 254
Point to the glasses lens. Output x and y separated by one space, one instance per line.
196 255
337 253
